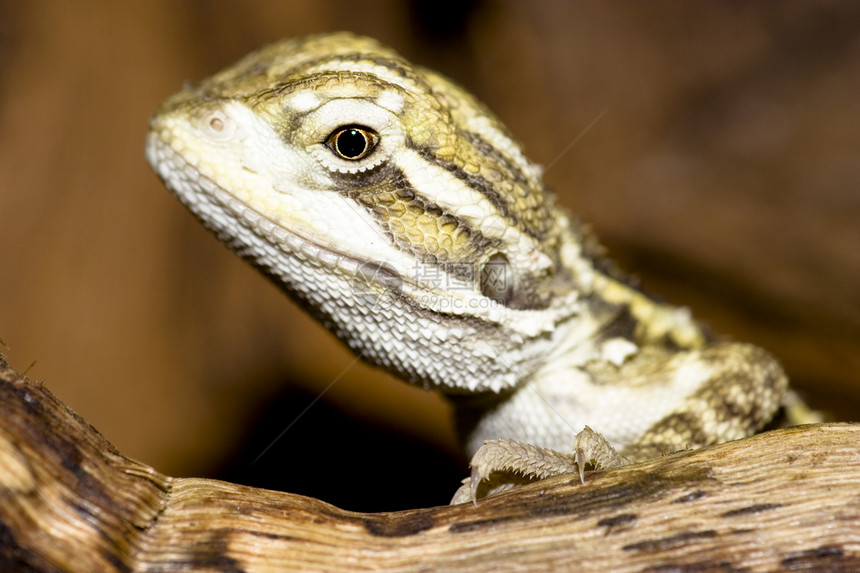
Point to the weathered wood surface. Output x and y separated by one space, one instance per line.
786 500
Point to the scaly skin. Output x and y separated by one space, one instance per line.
398 211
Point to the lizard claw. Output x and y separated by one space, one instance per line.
499 465
474 482
591 448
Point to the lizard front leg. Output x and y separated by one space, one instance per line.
499 465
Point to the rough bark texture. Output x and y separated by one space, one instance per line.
69 501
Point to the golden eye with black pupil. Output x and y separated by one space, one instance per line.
352 142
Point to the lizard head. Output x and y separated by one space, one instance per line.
383 197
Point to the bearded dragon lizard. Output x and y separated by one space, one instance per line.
400 213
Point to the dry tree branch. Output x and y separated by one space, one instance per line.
69 501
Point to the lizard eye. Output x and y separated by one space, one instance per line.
352 142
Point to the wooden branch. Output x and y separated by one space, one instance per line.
784 500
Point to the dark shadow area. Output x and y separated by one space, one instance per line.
442 20
339 459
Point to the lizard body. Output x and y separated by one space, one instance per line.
401 213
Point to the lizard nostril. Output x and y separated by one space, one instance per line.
218 125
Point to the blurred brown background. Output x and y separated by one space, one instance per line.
725 172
